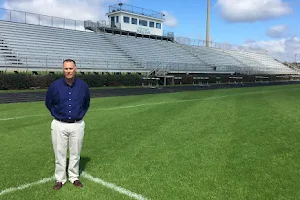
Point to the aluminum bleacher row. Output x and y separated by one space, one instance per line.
26 47
41 48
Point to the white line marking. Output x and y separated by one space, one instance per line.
22 187
84 175
188 100
113 187
158 103
21 117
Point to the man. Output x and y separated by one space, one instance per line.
68 100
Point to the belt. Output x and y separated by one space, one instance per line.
68 121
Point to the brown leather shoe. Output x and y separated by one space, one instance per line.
78 184
57 186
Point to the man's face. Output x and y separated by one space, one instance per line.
69 70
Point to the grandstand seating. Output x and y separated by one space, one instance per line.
259 62
43 48
266 59
166 54
216 58
26 47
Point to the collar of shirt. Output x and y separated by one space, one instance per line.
73 84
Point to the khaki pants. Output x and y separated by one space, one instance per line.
64 134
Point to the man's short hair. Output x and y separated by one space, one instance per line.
70 60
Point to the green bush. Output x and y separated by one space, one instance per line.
27 81
9 81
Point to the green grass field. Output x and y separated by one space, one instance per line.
219 144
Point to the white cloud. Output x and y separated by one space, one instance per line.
285 48
80 10
170 20
71 9
278 31
252 10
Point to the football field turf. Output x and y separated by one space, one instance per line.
216 144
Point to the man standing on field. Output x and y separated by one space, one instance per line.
68 100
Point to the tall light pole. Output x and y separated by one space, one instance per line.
208 23
295 58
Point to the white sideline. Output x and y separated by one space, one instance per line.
22 187
157 103
113 187
6 119
84 175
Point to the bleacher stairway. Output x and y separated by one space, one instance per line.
7 53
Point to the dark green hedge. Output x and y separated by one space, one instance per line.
24 81
225 78
27 81
112 80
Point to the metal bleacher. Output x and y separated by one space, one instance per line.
259 62
26 47
178 58
170 55
156 51
217 59
244 62
270 63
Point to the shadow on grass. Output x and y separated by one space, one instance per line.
82 163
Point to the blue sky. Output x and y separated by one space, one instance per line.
191 17
272 25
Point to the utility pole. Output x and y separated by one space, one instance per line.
208 24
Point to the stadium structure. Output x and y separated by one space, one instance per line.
132 40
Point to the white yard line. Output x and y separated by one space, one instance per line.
21 117
188 100
22 187
113 187
158 103
84 175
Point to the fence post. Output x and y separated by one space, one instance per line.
5 64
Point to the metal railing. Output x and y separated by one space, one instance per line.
51 21
135 10
36 63
290 65
202 43
47 64
94 26
43 20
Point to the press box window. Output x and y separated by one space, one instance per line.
143 23
158 25
126 19
133 21
117 19
151 24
